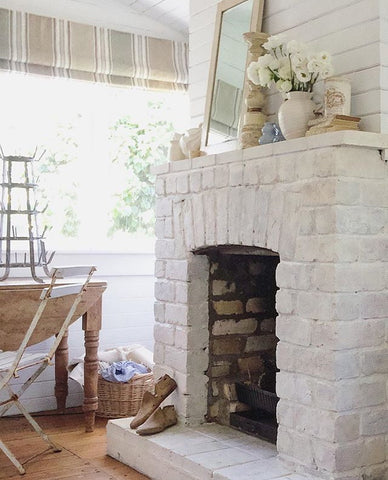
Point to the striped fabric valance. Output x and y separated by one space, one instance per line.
50 46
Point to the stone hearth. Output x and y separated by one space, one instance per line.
321 204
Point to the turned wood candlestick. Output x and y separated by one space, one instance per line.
253 117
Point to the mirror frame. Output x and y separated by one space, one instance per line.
255 26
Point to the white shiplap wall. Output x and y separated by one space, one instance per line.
355 32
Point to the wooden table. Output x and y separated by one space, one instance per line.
18 303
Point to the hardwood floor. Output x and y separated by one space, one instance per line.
83 455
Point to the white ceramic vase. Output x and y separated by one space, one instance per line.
294 114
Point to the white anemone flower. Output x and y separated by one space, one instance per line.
324 56
265 77
327 71
302 75
265 60
284 70
314 65
274 41
284 86
293 47
253 73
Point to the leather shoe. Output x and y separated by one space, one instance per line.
163 387
158 421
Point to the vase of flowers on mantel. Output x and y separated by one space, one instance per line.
294 70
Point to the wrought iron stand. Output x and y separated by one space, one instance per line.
18 219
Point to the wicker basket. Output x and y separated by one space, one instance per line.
117 400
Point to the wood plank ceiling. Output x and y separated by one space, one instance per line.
171 13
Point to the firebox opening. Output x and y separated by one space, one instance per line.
242 341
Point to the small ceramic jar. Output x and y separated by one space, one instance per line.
337 94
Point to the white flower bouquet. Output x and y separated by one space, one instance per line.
289 66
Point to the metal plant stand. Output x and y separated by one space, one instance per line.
19 229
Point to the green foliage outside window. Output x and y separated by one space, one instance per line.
136 147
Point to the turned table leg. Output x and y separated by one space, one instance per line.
61 374
91 324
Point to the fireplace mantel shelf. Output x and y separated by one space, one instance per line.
377 141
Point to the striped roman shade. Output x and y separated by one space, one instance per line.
226 108
50 46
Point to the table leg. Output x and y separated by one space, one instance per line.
91 324
61 374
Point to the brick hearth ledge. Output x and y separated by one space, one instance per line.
321 203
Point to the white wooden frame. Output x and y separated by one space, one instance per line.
255 25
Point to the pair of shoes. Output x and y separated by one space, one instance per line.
152 418
158 421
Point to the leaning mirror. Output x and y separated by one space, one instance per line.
227 69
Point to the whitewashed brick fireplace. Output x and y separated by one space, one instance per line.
320 203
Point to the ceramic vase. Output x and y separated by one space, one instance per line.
295 113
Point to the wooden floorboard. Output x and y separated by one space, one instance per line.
83 455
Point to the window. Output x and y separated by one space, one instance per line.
99 144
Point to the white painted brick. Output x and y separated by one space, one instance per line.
346 335
160 268
285 302
210 218
171 181
352 394
160 186
373 248
221 176
163 207
285 385
286 170
206 161
347 427
374 305
275 216
350 456
198 220
168 228
164 333
294 329
208 178
165 248
229 157
159 228
164 291
316 306
260 220
176 270
182 185
346 307
176 358
374 422
176 314
247 217
288 230
296 276
159 353
375 361
250 176
222 216
373 451
195 181
267 171
188 223
159 312
181 294
236 175
235 206
325 220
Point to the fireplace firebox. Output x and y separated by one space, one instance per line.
242 339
